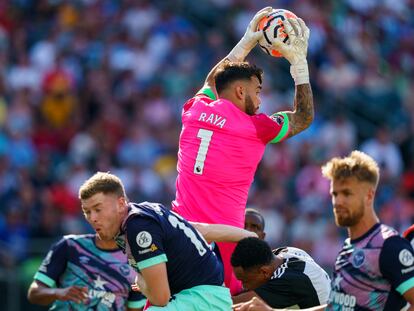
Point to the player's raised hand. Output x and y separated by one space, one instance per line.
76 294
250 38
296 49
252 34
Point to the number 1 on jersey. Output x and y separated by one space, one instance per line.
205 136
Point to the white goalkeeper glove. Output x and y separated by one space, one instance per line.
295 49
250 38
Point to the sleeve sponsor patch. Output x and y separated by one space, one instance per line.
144 239
278 119
406 258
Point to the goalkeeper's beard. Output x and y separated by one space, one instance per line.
250 108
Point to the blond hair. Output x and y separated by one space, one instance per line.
357 164
101 182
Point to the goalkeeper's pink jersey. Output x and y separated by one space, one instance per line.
219 150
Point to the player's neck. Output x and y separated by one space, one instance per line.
106 245
363 226
236 102
277 262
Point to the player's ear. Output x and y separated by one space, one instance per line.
370 195
239 91
122 202
266 271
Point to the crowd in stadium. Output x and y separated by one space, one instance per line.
99 85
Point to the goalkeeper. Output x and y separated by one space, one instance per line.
223 137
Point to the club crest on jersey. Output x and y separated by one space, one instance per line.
406 258
277 118
144 239
358 258
124 269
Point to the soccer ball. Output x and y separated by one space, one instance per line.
272 27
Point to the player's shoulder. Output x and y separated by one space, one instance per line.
395 246
145 211
387 231
78 237
377 235
70 240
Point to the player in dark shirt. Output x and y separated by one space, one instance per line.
285 277
177 270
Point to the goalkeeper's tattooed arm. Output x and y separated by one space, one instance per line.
302 116
295 52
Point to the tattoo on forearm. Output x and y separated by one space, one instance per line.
302 116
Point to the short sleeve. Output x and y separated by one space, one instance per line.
145 238
136 300
53 265
205 94
397 263
272 129
276 293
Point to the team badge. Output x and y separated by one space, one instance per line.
406 258
144 239
124 269
277 118
358 258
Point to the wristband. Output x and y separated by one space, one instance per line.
239 52
300 73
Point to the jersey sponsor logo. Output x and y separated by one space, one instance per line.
337 282
107 298
152 248
278 119
406 258
214 119
348 302
144 239
358 258
404 271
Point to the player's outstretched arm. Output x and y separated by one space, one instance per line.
153 283
222 233
43 295
257 304
409 297
242 48
295 52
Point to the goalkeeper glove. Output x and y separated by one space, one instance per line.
295 49
250 38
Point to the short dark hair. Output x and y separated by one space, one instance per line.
229 72
253 211
251 252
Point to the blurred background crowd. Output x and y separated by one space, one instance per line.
89 85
